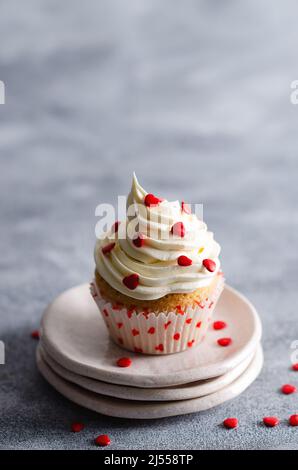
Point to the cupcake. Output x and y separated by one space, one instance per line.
157 276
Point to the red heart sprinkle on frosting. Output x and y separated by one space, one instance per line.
287 389
184 261
115 226
151 330
77 427
176 336
159 347
108 248
198 324
139 241
295 366
135 332
219 325
151 200
270 421
230 423
293 420
185 208
124 362
178 229
166 325
131 281
209 264
138 350
103 440
224 341
35 334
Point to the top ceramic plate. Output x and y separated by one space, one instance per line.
74 334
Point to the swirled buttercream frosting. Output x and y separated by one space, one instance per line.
161 248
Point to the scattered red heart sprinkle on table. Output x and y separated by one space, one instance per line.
135 332
287 389
295 366
159 347
151 330
270 421
230 423
124 362
151 200
224 341
176 336
131 281
115 226
293 420
103 440
77 427
35 334
139 241
219 325
184 261
185 208
178 229
209 264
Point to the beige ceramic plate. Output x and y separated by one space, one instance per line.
74 335
149 410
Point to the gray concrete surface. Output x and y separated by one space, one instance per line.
195 97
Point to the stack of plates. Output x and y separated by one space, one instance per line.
76 356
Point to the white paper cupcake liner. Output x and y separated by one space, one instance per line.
163 333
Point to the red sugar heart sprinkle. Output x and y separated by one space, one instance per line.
130 312
185 208
151 200
105 312
219 325
151 330
166 325
139 241
293 420
77 427
295 366
135 332
270 421
138 350
230 423
159 347
198 324
124 362
115 226
224 341
131 281
184 261
176 336
108 248
117 306
287 389
190 343
119 325
103 440
188 321
35 334
178 229
179 310
209 264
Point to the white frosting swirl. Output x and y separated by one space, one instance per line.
156 261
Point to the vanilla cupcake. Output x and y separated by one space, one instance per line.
157 277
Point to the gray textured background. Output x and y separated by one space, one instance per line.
194 96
